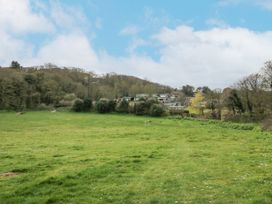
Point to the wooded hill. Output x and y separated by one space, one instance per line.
31 87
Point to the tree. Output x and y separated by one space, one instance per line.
252 94
31 81
204 89
234 102
267 75
188 90
198 102
214 102
15 65
267 79
13 93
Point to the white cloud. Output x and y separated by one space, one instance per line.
67 50
19 18
130 30
216 57
12 49
16 16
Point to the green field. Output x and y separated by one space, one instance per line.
89 158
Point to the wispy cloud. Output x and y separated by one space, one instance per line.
130 30
155 19
266 4
216 22
224 3
136 43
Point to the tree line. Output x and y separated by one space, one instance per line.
252 95
250 99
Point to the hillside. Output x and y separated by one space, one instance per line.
30 87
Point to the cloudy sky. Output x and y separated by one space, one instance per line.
174 42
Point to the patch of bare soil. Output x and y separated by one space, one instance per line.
8 174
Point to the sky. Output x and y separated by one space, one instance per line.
173 42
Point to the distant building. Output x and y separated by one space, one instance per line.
139 96
128 98
187 101
169 100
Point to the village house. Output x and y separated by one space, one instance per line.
142 95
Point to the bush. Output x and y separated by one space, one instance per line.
78 105
173 111
267 123
44 107
244 118
143 107
140 108
131 107
150 102
68 100
157 110
112 105
69 97
102 106
87 105
122 107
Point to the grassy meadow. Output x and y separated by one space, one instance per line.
90 158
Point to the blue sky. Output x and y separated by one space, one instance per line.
114 15
175 42
117 14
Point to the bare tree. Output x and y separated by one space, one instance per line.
251 89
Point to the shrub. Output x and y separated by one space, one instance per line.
69 97
78 105
267 123
244 118
68 100
44 107
112 105
157 110
143 107
173 111
87 104
122 106
102 106
150 102
131 107
140 108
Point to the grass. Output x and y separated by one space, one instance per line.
91 158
